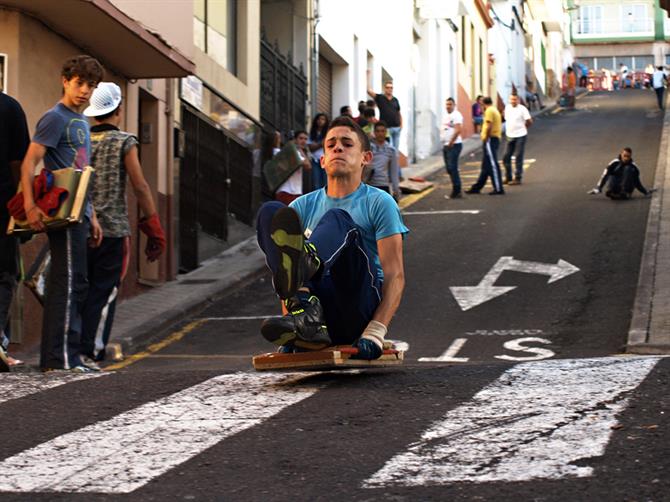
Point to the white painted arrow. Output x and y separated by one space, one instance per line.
471 296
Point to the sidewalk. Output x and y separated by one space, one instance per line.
146 315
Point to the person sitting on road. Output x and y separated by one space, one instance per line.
344 283
621 176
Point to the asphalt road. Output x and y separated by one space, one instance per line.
523 396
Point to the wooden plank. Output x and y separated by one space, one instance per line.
333 358
409 186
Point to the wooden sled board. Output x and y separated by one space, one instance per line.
329 359
409 186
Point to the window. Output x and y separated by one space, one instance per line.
634 18
590 19
215 30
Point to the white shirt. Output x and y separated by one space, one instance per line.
448 126
293 184
515 121
657 78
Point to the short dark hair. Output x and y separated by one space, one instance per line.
299 132
344 121
451 99
487 100
628 149
369 113
371 103
344 108
380 123
83 66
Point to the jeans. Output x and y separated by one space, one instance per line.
660 91
451 155
395 136
348 286
517 145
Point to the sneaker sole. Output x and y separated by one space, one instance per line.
277 336
286 233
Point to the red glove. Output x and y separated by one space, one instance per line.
51 201
42 183
15 207
151 227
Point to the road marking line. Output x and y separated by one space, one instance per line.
18 385
126 452
408 200
452 211
539 420
240 318
449 355
155 347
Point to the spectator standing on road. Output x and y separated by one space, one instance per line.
623 76
478 114
315 145
490 135
517 120
62 140
572 87
452 126
14 141
659 81
389 110
344 284
621 176
115 158
383 171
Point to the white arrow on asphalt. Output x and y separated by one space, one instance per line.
471 296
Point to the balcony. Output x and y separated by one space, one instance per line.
588 29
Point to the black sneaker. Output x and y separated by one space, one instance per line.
298 261
456 195
472 190
304 326
4 360
497 192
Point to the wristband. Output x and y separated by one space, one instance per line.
375 332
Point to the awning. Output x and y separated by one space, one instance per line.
100 29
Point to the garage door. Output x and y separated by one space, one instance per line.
324 93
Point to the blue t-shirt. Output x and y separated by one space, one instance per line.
373 210
67 137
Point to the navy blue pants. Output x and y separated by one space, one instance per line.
451 155
8 272
66 291
490 166
348 288
104 276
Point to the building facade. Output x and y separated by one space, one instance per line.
608 33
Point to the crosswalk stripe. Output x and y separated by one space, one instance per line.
535 422
126 452
18 385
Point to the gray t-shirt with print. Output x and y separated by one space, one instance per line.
109 147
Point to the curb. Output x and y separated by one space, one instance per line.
140 319
649 331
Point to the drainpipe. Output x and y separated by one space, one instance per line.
314 73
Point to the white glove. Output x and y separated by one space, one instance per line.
593 191
375 332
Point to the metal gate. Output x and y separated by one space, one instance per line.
203 187
283 91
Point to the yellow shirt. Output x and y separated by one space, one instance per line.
493 120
